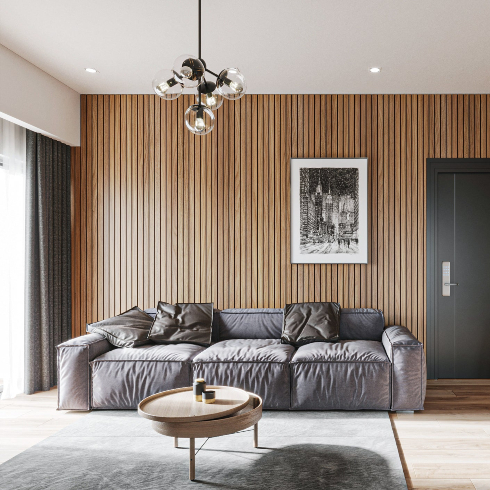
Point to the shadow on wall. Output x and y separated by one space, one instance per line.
313 467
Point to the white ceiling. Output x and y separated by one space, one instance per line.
281 46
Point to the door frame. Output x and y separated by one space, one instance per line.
435 166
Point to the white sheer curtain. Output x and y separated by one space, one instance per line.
12 256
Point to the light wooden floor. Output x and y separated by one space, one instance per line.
26 420
446 446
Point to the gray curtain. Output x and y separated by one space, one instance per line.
48 258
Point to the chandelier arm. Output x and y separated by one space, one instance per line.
212 73
199 29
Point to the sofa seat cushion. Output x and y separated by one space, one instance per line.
348 375
342 351
260 366
247 350
121 378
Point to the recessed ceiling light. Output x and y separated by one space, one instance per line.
374 69
91 70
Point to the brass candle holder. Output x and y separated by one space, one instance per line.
208 396
198 387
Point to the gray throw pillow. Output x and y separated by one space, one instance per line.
310 322
129 329
182 323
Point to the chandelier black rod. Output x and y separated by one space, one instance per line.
199 44
199 30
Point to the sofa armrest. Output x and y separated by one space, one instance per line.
408 369
74 357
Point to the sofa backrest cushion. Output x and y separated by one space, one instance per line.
250 323
361 324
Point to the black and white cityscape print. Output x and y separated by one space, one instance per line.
329 210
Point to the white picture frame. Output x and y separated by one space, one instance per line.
329 210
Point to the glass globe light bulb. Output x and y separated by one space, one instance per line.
200 125
188 70
231 83
236 87
199 119
166 86
209 95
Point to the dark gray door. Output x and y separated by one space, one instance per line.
462 329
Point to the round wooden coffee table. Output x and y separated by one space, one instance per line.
174 413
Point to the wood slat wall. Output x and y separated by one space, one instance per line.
159 213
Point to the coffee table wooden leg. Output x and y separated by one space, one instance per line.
256 435
192 459
176 442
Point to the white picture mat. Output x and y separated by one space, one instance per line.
338 258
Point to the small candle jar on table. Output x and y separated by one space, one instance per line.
208 396
198 387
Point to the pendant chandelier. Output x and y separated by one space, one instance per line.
189 72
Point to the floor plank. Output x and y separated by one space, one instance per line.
428 484
442 382
447 446
481 484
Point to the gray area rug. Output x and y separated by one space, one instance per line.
298 451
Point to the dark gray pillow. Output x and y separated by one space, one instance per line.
183 323
129 329
311 322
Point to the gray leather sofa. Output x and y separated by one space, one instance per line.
369 368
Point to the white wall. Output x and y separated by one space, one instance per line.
33 99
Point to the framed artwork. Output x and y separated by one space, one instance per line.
329 211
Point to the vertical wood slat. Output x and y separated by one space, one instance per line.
158 213
122 155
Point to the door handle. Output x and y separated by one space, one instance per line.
446 279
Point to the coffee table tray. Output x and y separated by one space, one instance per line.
180 406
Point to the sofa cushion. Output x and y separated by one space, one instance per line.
215 327
182 322
260 366
348 375
121 378
361 324
129 329
311 322
250 323
342 351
